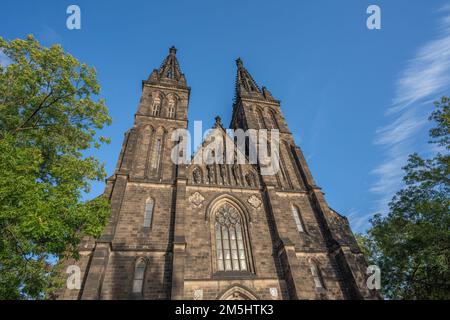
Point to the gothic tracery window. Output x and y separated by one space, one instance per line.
229 233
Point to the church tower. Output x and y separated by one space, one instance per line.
215 230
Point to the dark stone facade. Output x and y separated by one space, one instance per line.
178 251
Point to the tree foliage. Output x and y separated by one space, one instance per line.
49 115
411 244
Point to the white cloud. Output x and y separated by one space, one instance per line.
425 78
358 221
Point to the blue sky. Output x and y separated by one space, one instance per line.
355 99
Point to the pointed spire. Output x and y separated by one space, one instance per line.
245 84
169 71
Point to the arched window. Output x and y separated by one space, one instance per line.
274 120
298 219
231 254
156 106
156 156
317 275
259 119
138 279
171 108
148 214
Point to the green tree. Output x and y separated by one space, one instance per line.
49 114
411 244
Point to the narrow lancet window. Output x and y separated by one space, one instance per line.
138 280
298 219
318 281
148 214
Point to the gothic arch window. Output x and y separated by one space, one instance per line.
230 239
298 219
317 274
156 151
273 119
148 213
171 108
156 107
259 119
156 154
139 272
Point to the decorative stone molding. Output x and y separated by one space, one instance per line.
254 201
198 294
197 200
274 293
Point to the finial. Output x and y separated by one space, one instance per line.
239 62
173 50
218 121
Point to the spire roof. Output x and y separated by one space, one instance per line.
169 72
247 87
245 84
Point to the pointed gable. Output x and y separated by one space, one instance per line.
169 72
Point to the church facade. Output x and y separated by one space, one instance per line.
215 231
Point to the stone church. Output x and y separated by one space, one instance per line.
216 231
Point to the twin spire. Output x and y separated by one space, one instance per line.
170 73
246 85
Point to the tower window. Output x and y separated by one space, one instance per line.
298 219
231 254
259 120
317 276
171 111
274 120
148 215
138 280
156 106
156 154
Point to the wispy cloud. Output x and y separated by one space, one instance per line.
425 78
358 221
